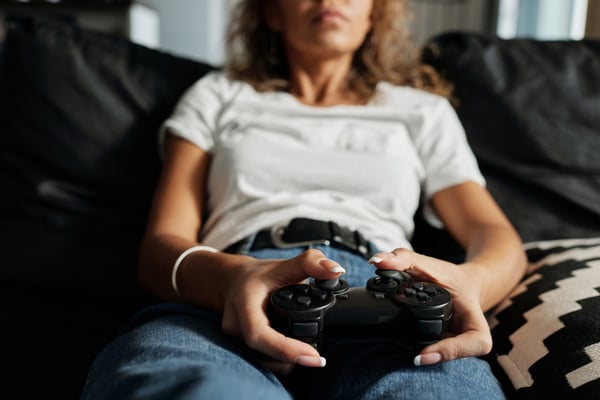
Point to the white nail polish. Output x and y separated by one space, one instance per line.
427 359
311 361
331 266
375 260
338 269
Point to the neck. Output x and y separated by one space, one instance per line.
322 82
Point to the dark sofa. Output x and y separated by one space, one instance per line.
79 114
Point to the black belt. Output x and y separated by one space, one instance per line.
305 232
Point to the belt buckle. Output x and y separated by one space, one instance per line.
276 238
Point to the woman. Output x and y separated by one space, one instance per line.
321 116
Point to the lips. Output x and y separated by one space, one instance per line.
328 15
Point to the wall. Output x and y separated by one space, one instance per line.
551 19
192 28
547 19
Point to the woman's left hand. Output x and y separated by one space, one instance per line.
469 330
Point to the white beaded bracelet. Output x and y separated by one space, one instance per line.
180 260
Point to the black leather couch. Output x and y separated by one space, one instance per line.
79 114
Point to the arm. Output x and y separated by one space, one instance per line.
495 258
174 225
236 286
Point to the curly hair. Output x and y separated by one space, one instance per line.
388 53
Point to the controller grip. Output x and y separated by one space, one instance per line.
298 311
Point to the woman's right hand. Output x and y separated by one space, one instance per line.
246 302
238 286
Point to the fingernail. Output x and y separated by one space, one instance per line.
375 260
427 359
311 361
331 266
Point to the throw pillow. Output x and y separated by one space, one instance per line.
547 333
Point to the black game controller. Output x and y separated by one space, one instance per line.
391 306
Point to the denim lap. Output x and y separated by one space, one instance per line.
176 351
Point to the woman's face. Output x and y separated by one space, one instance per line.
321 28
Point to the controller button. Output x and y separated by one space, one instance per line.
302 289
434 327
304 301
418 286
409 292
305 329
431 291
379 296
285 294
422 296
318 293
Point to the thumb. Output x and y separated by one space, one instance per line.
419 266
311 263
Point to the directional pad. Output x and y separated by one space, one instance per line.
303 300
303 297
318 293
420 293
422 296
285 294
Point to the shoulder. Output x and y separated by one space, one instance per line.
394 95
217 84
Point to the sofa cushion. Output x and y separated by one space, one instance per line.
547 333
530 109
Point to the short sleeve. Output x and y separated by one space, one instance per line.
195 116
446 155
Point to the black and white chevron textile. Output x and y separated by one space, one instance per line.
547 333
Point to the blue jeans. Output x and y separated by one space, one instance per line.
175 351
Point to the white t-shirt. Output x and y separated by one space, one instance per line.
364 167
